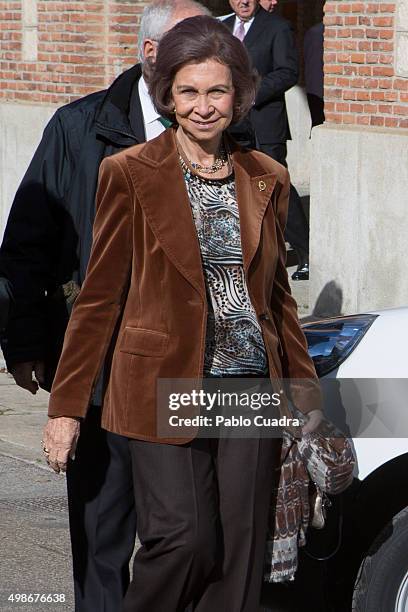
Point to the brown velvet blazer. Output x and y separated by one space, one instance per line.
145 282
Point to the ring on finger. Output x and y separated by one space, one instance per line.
54 466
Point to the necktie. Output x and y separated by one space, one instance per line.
240 31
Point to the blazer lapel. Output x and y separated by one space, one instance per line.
255 29
167 206
254 188
258 25
136 114
229 22
168 209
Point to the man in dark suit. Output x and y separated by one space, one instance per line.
44 257
271 46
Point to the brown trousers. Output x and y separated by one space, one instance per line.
202 513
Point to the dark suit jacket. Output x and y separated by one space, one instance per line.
271 46
5 300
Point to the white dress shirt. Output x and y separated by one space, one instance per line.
151 118
247 24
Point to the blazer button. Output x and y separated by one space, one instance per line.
264 317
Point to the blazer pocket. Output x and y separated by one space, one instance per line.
147 342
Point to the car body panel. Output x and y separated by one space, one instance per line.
383 352
373 385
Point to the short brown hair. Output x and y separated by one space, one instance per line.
197 39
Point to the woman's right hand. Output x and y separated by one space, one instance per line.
60 439
315 418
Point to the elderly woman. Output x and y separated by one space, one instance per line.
187 279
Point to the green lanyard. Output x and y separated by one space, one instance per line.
165 122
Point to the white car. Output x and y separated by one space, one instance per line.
363 366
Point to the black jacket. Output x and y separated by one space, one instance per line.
5 302
271 46
48 236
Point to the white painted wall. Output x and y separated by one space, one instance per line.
21 127
300 147
358 213
401 51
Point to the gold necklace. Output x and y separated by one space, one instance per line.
187 164
219 163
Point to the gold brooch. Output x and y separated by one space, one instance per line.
262 185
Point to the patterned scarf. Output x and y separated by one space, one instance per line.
316 458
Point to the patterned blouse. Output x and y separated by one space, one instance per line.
234 342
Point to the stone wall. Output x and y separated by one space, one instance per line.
359 221
359 167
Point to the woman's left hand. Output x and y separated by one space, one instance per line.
59 441
315 418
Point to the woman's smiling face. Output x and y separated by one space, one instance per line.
203 97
